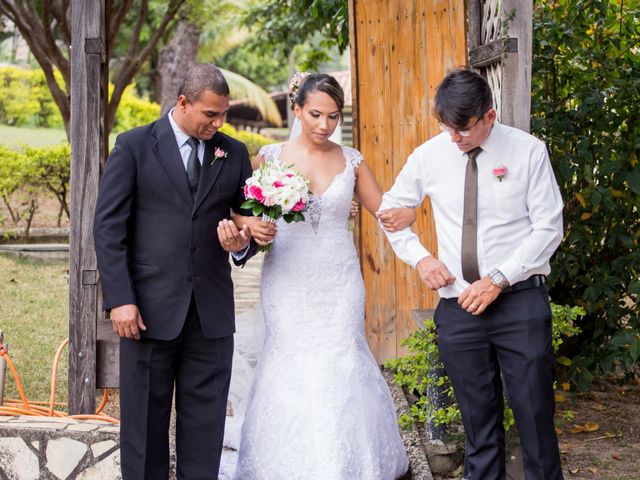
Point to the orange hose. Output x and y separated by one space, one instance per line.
34 402
3 352
24 407
105 399
54 369
104 418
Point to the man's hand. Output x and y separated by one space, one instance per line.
478 296
396 219
127 322
262 232
232 239
434 273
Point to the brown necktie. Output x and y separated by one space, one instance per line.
470 220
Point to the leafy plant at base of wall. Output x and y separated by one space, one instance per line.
422 374
585 97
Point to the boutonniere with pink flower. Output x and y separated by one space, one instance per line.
499 172
218 154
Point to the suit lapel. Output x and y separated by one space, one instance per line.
210 170
167 152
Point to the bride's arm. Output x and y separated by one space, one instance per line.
370 195
262 232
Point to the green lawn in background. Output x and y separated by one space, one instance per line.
33 317
16 137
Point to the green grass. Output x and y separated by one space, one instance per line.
16 137
33 317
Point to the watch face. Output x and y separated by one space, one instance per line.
498 278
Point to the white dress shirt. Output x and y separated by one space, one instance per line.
185 151
519 218
181 139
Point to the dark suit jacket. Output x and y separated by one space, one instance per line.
155 245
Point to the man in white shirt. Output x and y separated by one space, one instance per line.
498 214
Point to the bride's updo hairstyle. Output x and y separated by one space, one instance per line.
318 82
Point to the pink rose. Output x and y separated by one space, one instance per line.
499 172
246 191
290 175
219 153
300 205
256 192
278 184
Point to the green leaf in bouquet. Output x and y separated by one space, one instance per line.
289 217
257 210
298 217
248 203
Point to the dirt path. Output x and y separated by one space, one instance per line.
599 432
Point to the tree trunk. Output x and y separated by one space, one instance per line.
175 58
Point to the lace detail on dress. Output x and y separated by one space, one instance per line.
318 407
314 211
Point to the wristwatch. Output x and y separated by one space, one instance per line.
498 279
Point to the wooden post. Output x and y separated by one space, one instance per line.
500 48
87 149
401 51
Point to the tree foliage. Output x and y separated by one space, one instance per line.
586 92
46 27
281 25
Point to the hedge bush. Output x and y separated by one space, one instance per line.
28 174
18 188
253 141
25 99
134 111
586 92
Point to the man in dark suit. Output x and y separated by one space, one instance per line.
166 189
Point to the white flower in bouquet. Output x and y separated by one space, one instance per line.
275 191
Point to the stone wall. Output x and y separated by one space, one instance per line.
57 448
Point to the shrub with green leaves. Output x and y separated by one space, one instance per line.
134 111
422 374
253 141
52 168
25 99
18 187
586 92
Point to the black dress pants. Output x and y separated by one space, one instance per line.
199 369
513 338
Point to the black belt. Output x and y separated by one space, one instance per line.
533 281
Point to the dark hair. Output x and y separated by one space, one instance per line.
320 82
462 95
200 78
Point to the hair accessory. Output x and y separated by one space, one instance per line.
294 85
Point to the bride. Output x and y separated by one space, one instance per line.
318 406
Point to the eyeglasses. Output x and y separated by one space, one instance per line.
462 133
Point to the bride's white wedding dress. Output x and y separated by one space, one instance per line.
318 407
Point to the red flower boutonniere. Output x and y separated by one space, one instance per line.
499 172
218 154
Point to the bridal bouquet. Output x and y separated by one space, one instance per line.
275 191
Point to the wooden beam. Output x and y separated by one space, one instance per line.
87 150
492 52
